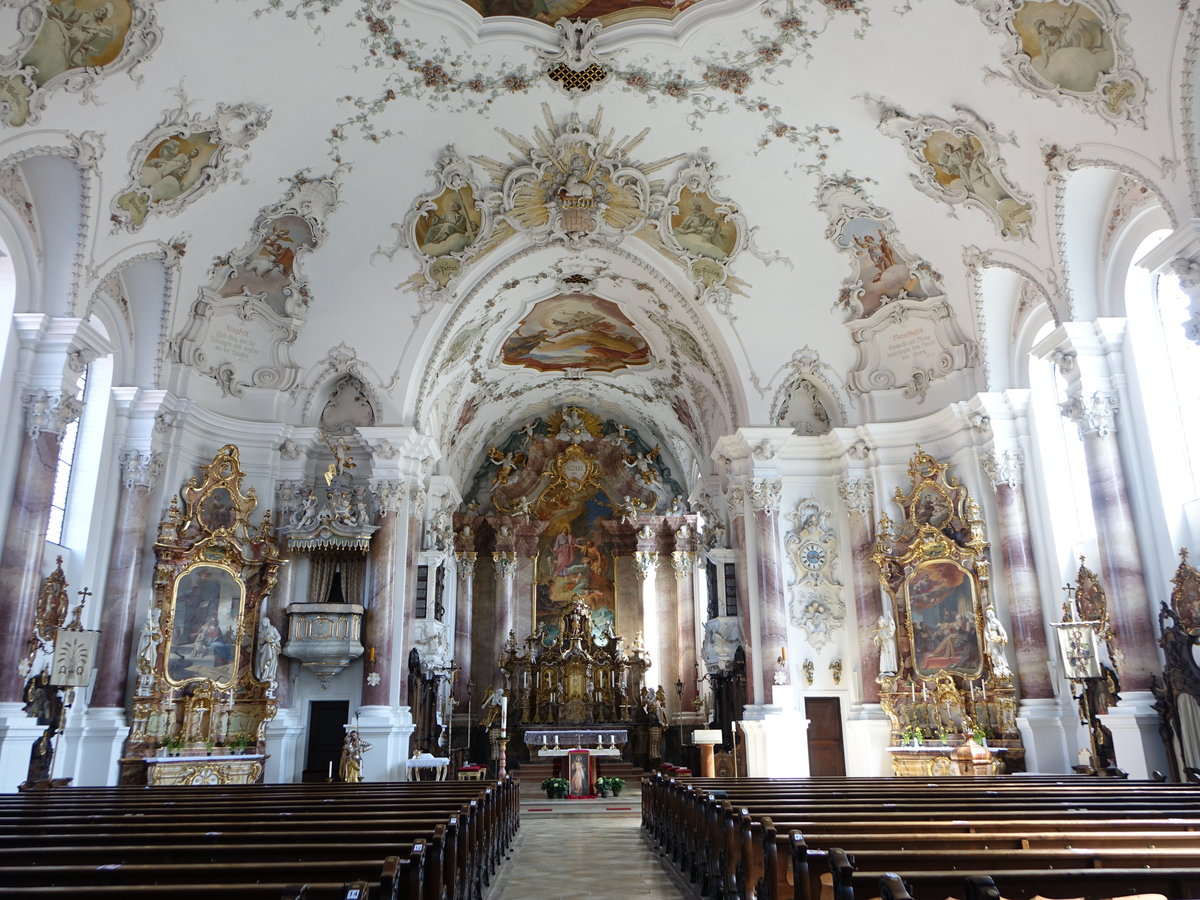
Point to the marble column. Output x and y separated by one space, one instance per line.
1003 470
139 469
1120 562
645 562
764 499
380 663
683 562
464 611
46 415
743 540
505 562
859 497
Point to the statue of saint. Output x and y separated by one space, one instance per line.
884 638
996 638
270 642
353 748
151 637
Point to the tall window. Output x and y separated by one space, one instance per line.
62 476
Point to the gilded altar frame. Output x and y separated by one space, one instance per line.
199 691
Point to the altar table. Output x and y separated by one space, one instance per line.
427 761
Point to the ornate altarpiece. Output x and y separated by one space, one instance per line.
1178 697
950 678
202 697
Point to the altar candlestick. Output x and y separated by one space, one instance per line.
972 693
924 693
912 688
983 686
783 653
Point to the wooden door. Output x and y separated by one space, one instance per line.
826 751
326 731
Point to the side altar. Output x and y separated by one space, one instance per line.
207 655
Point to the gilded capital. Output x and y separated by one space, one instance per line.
683 561
505 562
466 562
645 561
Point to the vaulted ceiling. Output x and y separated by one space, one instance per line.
391 180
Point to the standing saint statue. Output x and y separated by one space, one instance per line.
270 641
996 638
884 638
353 748
151 637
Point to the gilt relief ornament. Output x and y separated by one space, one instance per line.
1073 51
183 157
810 545
244 322
958 162
71 45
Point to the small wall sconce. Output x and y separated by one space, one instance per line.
836 668
808 671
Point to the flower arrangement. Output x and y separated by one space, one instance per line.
238 742
555 788
173 745
912 734
610 785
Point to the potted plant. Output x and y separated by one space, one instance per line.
615 784
602 787
912 735
555 788
980 735
238 742
943 737
173 745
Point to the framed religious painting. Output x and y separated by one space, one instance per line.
203 628
943 620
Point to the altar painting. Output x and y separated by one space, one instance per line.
942 620
576 331
206 617
608 11
575 562
77 34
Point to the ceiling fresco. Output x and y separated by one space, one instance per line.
607 11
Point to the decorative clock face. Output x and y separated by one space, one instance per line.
813 556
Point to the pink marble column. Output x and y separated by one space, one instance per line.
379 636
737 536
1120 561
277 609
772 622
1016 549
412 547
117 625
25 537
684 564
505 562
858 495
464 612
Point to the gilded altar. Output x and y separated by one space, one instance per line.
944 677
578 673
207 654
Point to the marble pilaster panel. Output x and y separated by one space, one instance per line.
1020 569
858 495
117 626
464 611
683 562
379 635
764 498
505 564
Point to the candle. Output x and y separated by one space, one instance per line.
972 692
912 688
983 687
924 693
783 653
331 768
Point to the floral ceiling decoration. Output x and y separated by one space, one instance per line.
240 329
71 44
814 601
958 162
1072 51
184 156
451 81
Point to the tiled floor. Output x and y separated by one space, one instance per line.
582 855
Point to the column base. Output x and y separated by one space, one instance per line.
1049 733
92 744
17 734
868 734
388 730
1134 726
776 737
283 747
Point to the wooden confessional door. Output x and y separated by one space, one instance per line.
326 732
826 751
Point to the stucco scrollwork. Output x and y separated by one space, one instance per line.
815 603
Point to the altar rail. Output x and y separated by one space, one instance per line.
435 841
1050 835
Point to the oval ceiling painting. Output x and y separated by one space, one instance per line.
576 331
607 11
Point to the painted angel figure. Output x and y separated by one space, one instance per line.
490 711
884 638
644 463
996 638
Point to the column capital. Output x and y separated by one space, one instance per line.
735 498
1003 467
1096 414
858 494
683 562
390 494
140 468
466 562
505 562
46 412
645 561
765 494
